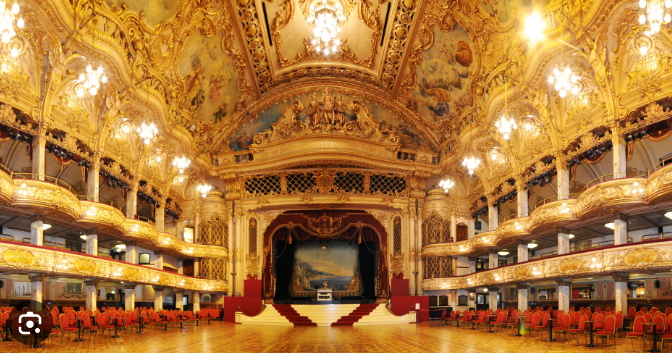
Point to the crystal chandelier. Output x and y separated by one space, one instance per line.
90 81
204 189
181 163
471 163
326 17
7 22
446 184
506 126
565 81
147 132
656 13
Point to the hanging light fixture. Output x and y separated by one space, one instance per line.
90 81
505 126
147 132
181 163
503 252
655 13
326 17
8 19
446 184
471 163
204 189
565 81
534 28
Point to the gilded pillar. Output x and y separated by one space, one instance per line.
158 297
621 291
132 201
37 230
91 293
621 229
523 288
37 287
563 178
129 289
619 153
564 285
522 199
93 180
39 153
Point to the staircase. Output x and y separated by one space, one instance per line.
288 312
361 311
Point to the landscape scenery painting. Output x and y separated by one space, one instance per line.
335 262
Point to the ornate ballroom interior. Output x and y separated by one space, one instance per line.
406 167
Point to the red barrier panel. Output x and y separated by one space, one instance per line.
399 287
231 305
400 305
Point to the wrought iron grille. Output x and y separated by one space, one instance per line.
214 231
437 267
214 269
435 230
387 184
265 185
396 227
325 181
300 183
253 236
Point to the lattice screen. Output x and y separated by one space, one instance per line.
386 184
253 236
214 231
437 267
396 230
349 182
300 183
212 269
435 230
266 185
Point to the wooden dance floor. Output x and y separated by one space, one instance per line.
225 337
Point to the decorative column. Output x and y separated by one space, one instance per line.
197 270
158 298
563 293
36 286
197 302
179 229
179 303
619 152
563 178
492 293
131 253
39 153
158 262
180 267
452 298
493 259
522 295
563 241
523 253
197 222
493 214
236 250
472 264
93 180
129 289
471 227
160 216
132 201
37 230
91 293
521 199
621 229
91 242
621 291
453 226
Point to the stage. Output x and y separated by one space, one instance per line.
325 315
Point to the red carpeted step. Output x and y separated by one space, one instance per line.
293 317
361 311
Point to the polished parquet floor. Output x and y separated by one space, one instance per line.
225 337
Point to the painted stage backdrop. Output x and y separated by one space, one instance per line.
336 263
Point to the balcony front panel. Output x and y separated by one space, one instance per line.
552 215
659 187
31 258
650 256
46 198
611 196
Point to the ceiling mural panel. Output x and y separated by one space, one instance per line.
408 136
445 74
211 84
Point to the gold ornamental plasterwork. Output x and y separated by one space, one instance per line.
46 198
655 257
611 196
62 263
367 15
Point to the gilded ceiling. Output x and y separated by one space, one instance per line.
213 74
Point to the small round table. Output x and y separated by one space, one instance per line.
590 328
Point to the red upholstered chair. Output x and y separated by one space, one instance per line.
512 323
598 322
668 329
581 328
654 310
644 309
500 321
531 322
65 326
129 320
632 312
86 324
619 321
545 321
637 331
659 321
609 330
564 323
648 317
72 321
668 311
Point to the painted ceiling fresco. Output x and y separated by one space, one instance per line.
156 11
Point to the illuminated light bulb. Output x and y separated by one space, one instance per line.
534 28
643 50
